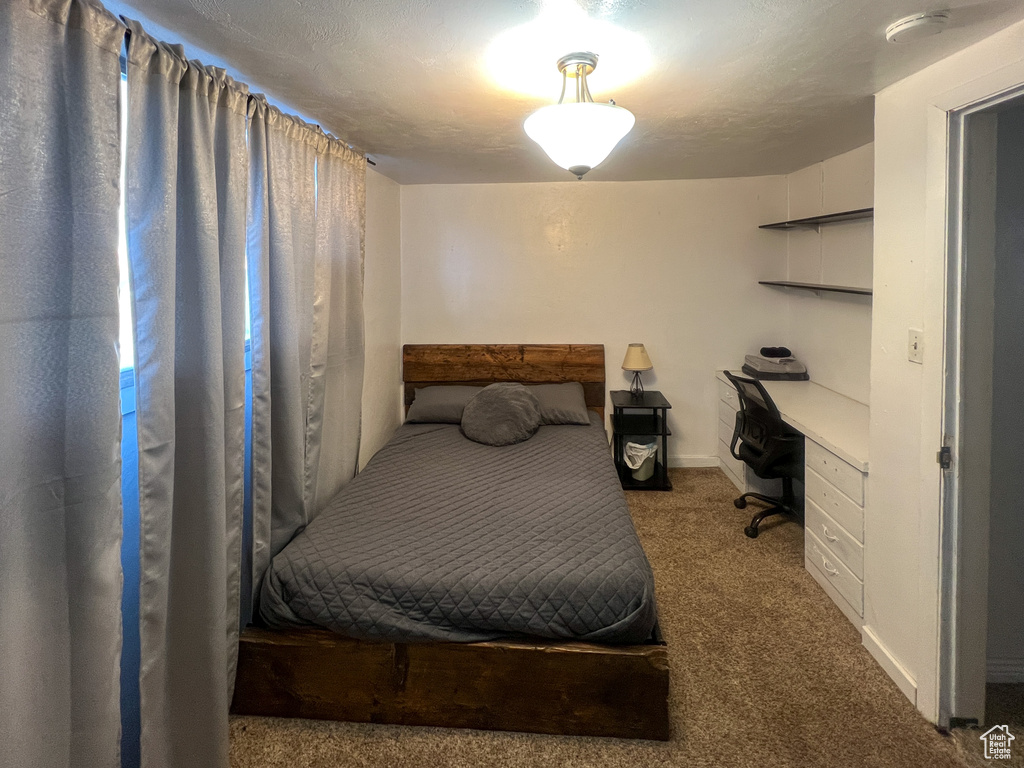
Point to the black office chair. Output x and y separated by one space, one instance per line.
767 445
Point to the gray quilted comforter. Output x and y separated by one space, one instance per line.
440 538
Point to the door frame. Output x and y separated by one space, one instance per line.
963 560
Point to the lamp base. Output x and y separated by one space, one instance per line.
637 389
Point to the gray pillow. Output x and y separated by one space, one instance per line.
443 405
501 414
562 403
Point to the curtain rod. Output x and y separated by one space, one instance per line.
127 39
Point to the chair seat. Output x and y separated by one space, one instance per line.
749 454
785 466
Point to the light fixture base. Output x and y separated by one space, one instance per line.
568 64
637 388
917 26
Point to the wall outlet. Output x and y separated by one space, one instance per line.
915 346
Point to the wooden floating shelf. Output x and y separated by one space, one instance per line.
818 287
829 218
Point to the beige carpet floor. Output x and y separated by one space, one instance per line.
765 670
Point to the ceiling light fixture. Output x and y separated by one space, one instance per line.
578 135
917 26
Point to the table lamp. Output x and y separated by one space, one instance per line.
636 360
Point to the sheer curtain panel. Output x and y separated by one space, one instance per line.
187 171
60 502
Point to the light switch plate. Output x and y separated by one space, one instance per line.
915 346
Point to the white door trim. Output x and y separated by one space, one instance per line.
963 554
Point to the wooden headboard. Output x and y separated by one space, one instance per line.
481 364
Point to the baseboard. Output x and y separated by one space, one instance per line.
899 674
693 461
1005 671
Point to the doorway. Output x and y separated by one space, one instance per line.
982 644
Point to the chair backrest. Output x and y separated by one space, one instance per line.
767 443
759 417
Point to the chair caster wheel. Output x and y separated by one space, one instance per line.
751 531
740 503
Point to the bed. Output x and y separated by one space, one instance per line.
467 585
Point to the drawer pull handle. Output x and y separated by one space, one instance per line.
828 535
832 570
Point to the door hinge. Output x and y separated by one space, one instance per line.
945 457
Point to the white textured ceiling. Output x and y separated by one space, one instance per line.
737 88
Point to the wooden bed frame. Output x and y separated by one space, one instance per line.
511 685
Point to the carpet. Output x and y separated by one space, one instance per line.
1004 705
766 671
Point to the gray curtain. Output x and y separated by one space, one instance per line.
60 501
282 247
338 323
187 168
305 283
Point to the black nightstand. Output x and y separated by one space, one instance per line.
642 417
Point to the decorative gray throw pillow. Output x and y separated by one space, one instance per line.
441 404
501 414
561 403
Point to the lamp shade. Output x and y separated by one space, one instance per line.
578 136
637 359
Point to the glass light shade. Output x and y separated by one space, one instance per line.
579 136
637 359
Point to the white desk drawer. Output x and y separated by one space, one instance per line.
726 413
835 537
846 477
736 467
733 469
727 394
837 505
725 430
837 574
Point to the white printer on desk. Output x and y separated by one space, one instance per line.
775 364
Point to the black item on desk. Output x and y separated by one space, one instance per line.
769 446
776 352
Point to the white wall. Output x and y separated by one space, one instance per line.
902 546
382 302
672 264
831 332
1006 522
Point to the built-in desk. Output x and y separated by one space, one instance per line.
835 479
832 420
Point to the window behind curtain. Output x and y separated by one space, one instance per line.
130 718
124 296
130 708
